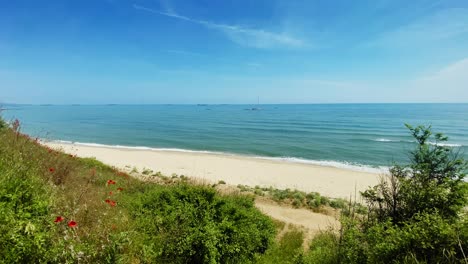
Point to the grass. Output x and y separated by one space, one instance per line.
118 218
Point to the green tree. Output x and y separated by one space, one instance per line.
431 183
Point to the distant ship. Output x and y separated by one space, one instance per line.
255 108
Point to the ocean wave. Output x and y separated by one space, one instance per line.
332 163
134 147
445 144
452 145
326 163
384 140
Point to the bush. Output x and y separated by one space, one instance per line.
426 237
192 224
323 249
432 183
416 214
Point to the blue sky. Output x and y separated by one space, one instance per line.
231 51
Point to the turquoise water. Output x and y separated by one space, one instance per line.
336 134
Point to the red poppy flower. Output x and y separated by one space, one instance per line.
111 203
110 193
120 189
59 219
110 182
51 169
72 224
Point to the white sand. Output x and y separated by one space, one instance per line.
234 170
312 222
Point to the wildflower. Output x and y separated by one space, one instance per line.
72 224
59 219
120 189
110 182
110 193
51 170
111 203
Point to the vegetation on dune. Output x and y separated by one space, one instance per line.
299 199
57 208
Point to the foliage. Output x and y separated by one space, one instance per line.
416 214
298 199
432 183
323 249
24 210
287 250
192 224
57 208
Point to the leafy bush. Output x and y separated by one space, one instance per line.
323 249
416 214
192 224
432 183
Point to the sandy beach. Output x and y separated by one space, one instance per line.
233 169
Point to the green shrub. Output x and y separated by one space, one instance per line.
192 224
287 250
416 215
323 249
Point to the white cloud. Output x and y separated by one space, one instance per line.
257 38
450 82
443 25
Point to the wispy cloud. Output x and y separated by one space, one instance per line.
184 52
443 25
257 38
454 75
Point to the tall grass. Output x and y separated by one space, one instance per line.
58 208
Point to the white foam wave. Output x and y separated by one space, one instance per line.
384 140
134 147
331 163
451 145
445 144
326 163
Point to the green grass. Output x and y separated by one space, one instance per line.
119 219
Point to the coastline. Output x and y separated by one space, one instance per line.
233 169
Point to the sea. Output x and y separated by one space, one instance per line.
367 137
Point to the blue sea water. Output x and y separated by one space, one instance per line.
331 134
